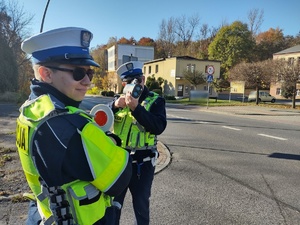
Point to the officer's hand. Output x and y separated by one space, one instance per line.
130 101
120 102
114 138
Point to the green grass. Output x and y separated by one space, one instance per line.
214 103
211 102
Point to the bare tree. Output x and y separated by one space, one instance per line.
288 73
257 74
111 41
255 18
194 77
18 25
166 37
185 29
176 34
206 36
13 29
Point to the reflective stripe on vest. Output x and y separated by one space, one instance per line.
133 134
87 200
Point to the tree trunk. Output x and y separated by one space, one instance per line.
294 99
257 95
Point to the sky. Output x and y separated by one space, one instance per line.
138 18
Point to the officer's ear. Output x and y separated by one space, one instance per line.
143 79
45 74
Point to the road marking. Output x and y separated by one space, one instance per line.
231 128
179 117
184 118
279 138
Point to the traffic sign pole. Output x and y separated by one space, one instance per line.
209 78
207 94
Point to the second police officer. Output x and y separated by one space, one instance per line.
138 121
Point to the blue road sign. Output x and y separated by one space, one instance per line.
210 78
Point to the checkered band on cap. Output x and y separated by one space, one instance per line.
130 69
68 45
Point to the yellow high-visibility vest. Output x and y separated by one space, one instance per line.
106 159
132 134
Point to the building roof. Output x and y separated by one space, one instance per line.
180 57
289 50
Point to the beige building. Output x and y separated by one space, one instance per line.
292 55
122 53
172 69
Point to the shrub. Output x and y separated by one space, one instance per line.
93 91
158 91
9 97
103 93
169 97
108 93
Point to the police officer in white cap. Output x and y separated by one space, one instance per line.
72 167
139 118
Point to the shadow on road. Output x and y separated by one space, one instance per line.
285 156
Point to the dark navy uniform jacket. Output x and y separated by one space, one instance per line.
57 151
154 121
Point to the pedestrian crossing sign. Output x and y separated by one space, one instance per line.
209 78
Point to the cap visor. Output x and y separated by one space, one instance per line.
80 62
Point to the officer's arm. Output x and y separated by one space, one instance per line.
117 103
155 120
64 153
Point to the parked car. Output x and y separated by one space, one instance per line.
264 96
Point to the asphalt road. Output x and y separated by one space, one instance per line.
229 169
230 165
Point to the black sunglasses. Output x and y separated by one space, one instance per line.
129 80
78 73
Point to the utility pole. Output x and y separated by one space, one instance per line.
42 24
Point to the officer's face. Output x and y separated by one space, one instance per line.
140 80
70 83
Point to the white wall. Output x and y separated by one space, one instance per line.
143 53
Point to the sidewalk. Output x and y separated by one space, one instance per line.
260 112
164 157
254 110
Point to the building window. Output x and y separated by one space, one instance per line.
144 70
186 90
188 66
291 60
278 91
298 92
156 68
206 68
149 70
210 90
191 68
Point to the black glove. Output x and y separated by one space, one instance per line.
115 137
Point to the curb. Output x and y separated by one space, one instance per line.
164 158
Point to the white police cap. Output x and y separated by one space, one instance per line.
68 45
130 69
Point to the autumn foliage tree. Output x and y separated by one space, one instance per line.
288 73
268 43
233 44
146 41
256 74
